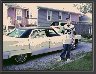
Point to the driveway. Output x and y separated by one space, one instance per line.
48 61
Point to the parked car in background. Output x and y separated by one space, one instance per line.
58 26
25 41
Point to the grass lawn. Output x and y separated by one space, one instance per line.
83 64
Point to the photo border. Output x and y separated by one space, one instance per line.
58 1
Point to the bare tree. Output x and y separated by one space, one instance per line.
84 7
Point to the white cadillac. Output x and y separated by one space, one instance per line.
23 41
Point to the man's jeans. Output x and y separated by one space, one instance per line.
66 51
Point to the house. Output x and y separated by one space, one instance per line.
40 16
14 15
47 16
86 18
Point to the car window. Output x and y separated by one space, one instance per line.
51 33
16 33
34 34
62 24
42 33
26 33
38 33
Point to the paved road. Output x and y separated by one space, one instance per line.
46 62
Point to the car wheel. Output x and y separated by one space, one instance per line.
18 59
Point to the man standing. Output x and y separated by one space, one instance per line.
67 43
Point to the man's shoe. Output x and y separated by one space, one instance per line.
68 60
61 59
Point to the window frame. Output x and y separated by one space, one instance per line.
51 34
49 14
18 13
38 33
60 15
15 31
27 13
69 15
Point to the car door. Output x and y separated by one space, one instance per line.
39 42
55 40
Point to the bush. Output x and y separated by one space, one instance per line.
87 36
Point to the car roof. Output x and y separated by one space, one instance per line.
35 28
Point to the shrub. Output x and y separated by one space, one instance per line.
88 36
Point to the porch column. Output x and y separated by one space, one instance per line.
5 16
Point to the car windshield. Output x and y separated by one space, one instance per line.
16 33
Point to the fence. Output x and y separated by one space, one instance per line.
83 28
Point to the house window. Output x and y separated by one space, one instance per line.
18 14
18 17
49 15
69 16
30 16
27 13
60 15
